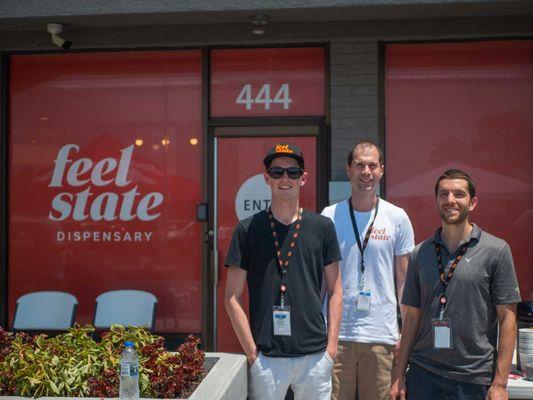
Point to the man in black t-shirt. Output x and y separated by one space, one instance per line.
284 254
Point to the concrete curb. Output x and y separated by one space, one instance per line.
227 380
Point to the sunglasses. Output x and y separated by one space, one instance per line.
292 172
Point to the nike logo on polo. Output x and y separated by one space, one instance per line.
468 259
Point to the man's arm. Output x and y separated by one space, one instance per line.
411 323
506 344
400 266
235 281
334 290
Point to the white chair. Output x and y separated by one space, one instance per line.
125 307
45 311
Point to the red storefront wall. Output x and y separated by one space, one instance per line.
468 106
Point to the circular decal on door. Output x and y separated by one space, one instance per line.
253 196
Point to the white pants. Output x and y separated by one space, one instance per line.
308 376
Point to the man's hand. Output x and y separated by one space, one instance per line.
334 289
332 351
410 328
235 281
497 392
252 357
506 344
396 352
397 389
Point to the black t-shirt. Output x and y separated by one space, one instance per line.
252 248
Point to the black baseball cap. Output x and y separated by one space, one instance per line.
284 150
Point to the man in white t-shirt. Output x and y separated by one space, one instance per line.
373 270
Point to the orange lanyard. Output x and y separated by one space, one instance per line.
446 278
283 263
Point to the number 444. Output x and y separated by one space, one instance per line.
263 96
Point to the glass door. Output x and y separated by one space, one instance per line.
240 191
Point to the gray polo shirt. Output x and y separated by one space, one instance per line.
485 277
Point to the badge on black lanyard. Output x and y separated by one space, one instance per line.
364 297
442 327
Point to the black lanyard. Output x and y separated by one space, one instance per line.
447 277
283 264
362 247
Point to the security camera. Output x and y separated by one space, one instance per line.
59 41
55 30
259 22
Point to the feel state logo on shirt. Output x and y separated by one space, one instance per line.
379 234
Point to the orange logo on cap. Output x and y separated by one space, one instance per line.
283 148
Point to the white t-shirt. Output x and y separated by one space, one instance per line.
392 236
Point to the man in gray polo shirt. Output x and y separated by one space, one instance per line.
460 290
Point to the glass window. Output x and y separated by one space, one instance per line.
105 172
268 82
467 106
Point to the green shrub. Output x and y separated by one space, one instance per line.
74 365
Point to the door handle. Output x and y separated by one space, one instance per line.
208 236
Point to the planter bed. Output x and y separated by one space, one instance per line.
74 365
226 380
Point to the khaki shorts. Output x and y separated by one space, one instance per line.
364 368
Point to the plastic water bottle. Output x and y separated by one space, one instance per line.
129 373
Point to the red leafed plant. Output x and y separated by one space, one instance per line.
105 385
177 374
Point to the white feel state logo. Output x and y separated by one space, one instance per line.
107 206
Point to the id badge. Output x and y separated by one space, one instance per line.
442 333
363 300
281 316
